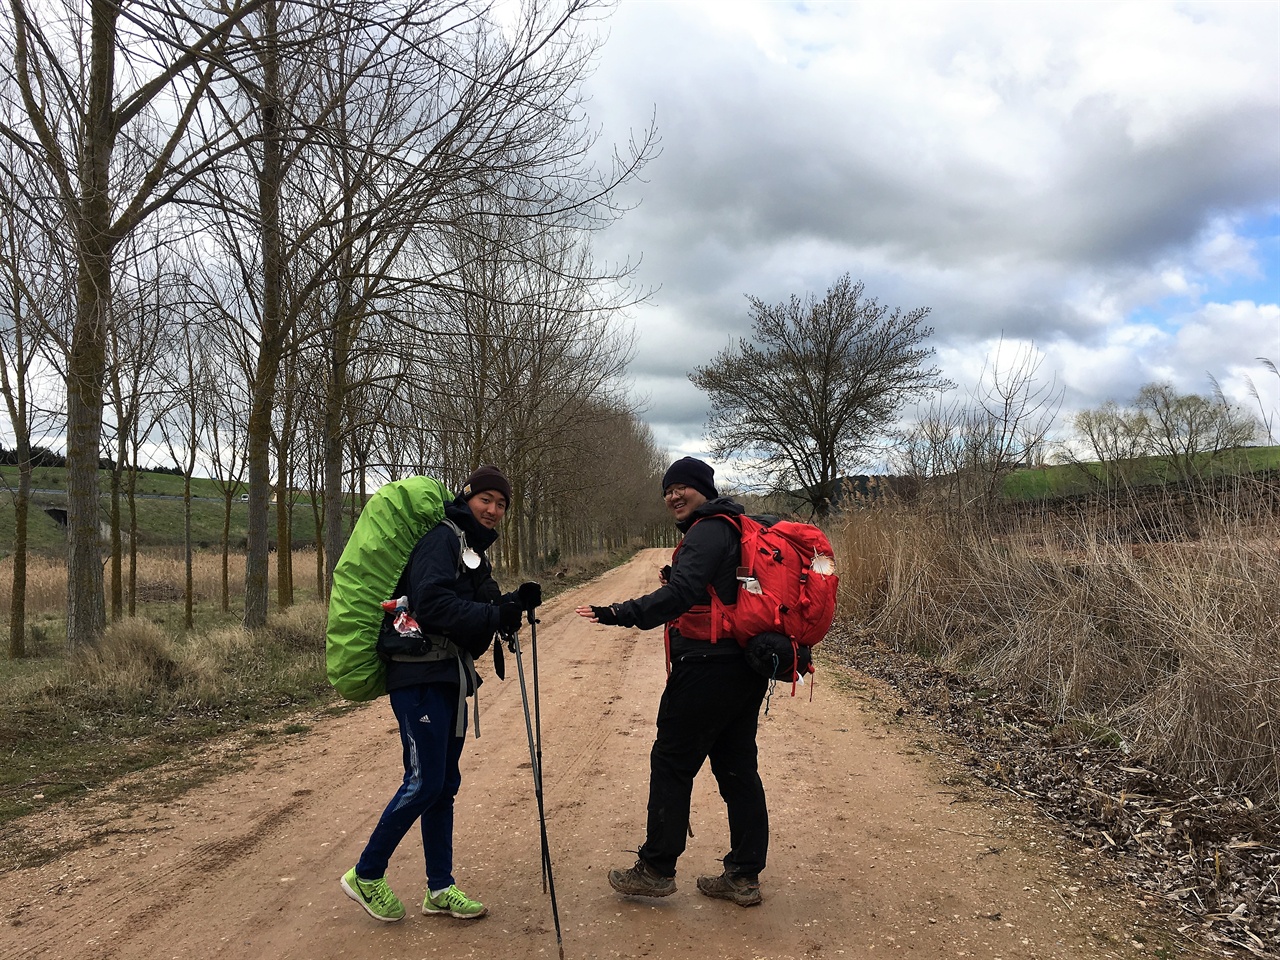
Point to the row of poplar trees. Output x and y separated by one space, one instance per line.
340 240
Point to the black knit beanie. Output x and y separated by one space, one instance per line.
692 473
487 478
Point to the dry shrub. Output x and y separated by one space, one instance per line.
214 659
134 659
863 562
46 584
1217 709
1170 649
300 627
136 662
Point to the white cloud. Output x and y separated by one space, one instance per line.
1077 175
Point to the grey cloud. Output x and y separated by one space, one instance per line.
1050 216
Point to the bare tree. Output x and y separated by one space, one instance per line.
91 76
33 289
389 120
1114 438
1190 433
1009 418
964 450
137 337
531 353
820 383
223 418
181 430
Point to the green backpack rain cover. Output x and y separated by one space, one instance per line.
388 528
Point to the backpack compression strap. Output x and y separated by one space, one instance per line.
701 621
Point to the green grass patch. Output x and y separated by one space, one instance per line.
159 500
1071 479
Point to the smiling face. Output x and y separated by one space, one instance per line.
488 507
682 500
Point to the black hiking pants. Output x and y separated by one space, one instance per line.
709 710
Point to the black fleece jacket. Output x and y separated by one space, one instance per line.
446 597
708 556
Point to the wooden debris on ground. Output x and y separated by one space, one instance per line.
1212 855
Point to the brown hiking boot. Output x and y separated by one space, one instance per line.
642 881
744 891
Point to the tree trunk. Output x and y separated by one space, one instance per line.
257 547
267 368
131 495
226 552
21 509
188 555
318 513
117 552
332 446
86 364
284 503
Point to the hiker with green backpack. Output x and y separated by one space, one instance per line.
450 591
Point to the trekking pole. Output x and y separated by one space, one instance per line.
537 719
513 640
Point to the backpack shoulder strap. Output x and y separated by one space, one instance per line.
462 539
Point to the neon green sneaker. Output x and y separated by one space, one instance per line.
374 895
455 903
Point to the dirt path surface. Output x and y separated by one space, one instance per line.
880 847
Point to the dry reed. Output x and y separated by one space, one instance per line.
1168 649
161 577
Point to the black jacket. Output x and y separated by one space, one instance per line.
708 555
446 597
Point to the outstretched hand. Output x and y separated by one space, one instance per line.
608 616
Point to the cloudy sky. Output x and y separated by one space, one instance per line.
1098 180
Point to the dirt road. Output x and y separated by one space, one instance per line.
880 847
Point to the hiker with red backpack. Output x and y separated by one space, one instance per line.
711 704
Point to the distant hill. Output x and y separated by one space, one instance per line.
160 511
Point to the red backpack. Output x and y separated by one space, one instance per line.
786 586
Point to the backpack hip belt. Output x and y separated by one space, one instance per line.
703 622
442 648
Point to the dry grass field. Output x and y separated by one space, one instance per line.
161 576
1167 648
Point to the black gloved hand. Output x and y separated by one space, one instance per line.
529 595
606 615
509 616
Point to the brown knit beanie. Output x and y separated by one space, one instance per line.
487 477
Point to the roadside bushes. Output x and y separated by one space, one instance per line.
144 695
138 668
1168 650
133 661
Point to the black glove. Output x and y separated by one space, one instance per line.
509 616
529 595
606 615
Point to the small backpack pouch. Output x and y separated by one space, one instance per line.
777 658
419 648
